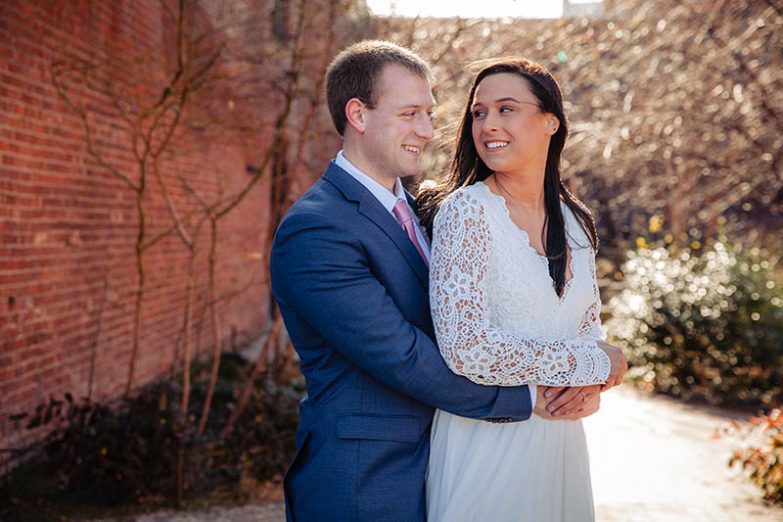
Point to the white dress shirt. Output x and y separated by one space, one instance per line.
388 200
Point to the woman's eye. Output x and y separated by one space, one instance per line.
505 109
478 114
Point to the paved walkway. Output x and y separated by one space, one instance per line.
653 460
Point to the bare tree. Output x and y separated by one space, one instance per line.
676 108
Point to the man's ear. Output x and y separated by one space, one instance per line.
354 112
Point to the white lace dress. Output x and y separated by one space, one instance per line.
499 321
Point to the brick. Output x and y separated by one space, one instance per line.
65 219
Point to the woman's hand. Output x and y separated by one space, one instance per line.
567 403
619 365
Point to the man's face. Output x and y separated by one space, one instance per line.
399 126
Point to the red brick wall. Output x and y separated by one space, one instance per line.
67 224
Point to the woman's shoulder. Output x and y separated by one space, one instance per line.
469 198
465 205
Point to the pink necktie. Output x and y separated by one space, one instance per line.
404 217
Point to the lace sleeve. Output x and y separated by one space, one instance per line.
590 327
469 344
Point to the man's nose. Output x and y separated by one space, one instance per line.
424 128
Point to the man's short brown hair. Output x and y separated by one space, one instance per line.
354 72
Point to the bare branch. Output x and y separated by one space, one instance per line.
82 112
183 234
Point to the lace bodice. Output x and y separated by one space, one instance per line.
497 317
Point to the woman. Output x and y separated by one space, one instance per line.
514 301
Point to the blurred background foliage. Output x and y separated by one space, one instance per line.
675 108
703 324
761 454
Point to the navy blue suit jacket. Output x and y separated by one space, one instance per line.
353 292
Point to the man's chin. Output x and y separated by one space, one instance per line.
411 171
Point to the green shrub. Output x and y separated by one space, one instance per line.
126 452
703 324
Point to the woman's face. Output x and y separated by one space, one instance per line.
509 129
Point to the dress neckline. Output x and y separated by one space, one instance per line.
526 242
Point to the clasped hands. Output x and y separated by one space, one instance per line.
576 402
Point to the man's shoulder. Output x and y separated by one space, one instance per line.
315 198
321 196
322 205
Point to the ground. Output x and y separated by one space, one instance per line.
653 460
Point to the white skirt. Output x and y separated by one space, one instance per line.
532 471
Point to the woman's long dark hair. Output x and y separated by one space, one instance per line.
467 167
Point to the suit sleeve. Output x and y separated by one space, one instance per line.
322 273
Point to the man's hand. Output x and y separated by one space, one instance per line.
562 403
619 365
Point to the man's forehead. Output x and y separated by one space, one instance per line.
402 99
395 74
403 87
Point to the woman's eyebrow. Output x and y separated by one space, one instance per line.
507 98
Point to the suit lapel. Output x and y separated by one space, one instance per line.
371 208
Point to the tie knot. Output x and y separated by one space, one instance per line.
402 212
403 215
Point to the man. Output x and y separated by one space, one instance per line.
349 271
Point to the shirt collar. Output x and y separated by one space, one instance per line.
381 193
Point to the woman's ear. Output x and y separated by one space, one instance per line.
354 113
552 124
